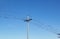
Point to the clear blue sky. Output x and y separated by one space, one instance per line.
46 11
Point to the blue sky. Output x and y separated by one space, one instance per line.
45 11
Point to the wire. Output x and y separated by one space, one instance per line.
10 17
45 26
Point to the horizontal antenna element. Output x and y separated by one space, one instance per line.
28 19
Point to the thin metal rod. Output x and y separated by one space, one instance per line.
27 30
28 22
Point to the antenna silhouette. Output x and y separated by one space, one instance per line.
37 23
28 19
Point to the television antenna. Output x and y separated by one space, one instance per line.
28 19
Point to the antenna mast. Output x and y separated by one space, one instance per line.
28 19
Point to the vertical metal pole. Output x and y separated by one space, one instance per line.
28 21
28 27
27 30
